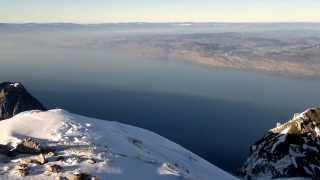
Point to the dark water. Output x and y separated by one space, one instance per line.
215 113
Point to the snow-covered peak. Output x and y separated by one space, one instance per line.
305 122
107 150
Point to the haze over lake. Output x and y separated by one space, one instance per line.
215 112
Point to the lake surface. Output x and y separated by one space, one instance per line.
215 113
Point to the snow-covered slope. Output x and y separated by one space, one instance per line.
107 150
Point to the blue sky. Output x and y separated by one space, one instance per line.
97 11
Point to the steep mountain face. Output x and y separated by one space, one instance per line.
14 98
289 150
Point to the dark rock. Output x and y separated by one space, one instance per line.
91 161
79 176
289 150
14 98
29 146
54 168
60 158
62 178
49 150
5 149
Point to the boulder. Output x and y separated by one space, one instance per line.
54 168
81 176
29 146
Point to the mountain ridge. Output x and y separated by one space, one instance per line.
288 150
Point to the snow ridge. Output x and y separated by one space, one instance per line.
103 149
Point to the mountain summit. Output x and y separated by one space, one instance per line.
288 150
56 144
14 98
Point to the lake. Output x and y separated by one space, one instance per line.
216 113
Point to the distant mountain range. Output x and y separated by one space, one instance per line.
287 49
248 26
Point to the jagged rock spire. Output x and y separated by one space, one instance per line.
288 150
14 98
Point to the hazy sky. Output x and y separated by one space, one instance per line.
96 11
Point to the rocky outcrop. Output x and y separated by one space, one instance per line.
32 157
289 150
29 146
14 98
54 168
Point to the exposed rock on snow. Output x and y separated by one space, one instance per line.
22 170
81 176
87 148
289 150
29 146
54 168
14 99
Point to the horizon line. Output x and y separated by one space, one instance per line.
166 22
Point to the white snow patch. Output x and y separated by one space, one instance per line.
15 84
185 24
168 169
278 124
317 130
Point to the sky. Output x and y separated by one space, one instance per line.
101 11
